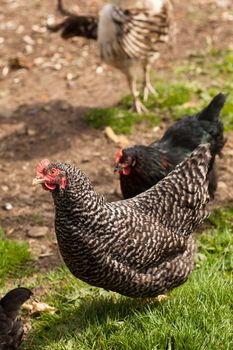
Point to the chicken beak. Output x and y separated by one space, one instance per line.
117 168
37 181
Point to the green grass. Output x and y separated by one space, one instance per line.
120 119
196 316
192 86
14 256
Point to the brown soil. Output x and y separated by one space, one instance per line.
42 112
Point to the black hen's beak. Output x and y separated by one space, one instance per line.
117 168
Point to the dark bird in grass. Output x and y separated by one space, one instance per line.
11 326
141 167
139 247
129 34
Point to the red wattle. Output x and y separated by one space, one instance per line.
126 171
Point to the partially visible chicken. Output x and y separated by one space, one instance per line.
129 33
140 247
74 25
141 167
11 326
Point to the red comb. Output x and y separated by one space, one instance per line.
42 165
118 155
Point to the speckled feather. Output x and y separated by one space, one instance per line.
139 247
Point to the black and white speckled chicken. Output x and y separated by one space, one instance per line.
141 167
129 33
140 247
11 326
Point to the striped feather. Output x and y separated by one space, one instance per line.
139 32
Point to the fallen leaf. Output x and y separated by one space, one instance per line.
37 307
121 140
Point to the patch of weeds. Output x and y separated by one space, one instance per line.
222 218
120 120
223 61
172 95
14 255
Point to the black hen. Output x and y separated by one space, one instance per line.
141 167
11 326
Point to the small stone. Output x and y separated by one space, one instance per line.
5 71
39 41
64 106
10 25
38 29
57 66
16 80
28 40
7 206
223 3
99 70
47 108
20 29
50 20
70 76
31 132
156 129
37 231
71 84
28 49
38 61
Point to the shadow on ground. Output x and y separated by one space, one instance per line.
99 312
41 129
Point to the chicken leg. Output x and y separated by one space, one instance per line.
147 86
137 106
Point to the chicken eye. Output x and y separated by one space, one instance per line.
52 171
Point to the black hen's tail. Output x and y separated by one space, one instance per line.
210 119
212 111
13 300
75 25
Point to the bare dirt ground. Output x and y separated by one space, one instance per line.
42 106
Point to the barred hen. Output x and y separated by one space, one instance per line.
129 33
141 167
140 247
11 326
